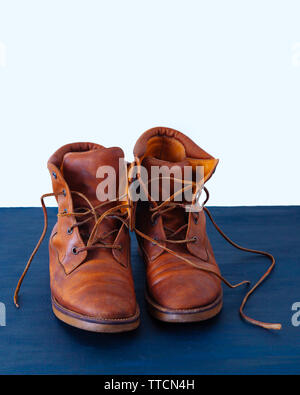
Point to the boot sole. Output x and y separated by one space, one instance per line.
93 324
189 315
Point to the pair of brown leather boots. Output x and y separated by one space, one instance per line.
90 273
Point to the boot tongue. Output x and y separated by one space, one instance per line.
166 187
176 217
84 171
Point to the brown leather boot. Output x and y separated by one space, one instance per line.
90 274
183 278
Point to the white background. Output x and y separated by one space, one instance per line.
226 73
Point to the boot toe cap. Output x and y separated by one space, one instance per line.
105 304
186 289
101 295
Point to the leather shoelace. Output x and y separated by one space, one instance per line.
156 211
168 205
92 243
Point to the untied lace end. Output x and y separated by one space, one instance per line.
16 294
92 210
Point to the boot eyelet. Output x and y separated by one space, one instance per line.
195 239
64 192
75 251
196 217
154 238
54 174
69 231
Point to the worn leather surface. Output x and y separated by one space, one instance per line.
95 283
172 282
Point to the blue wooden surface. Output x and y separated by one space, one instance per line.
34 341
